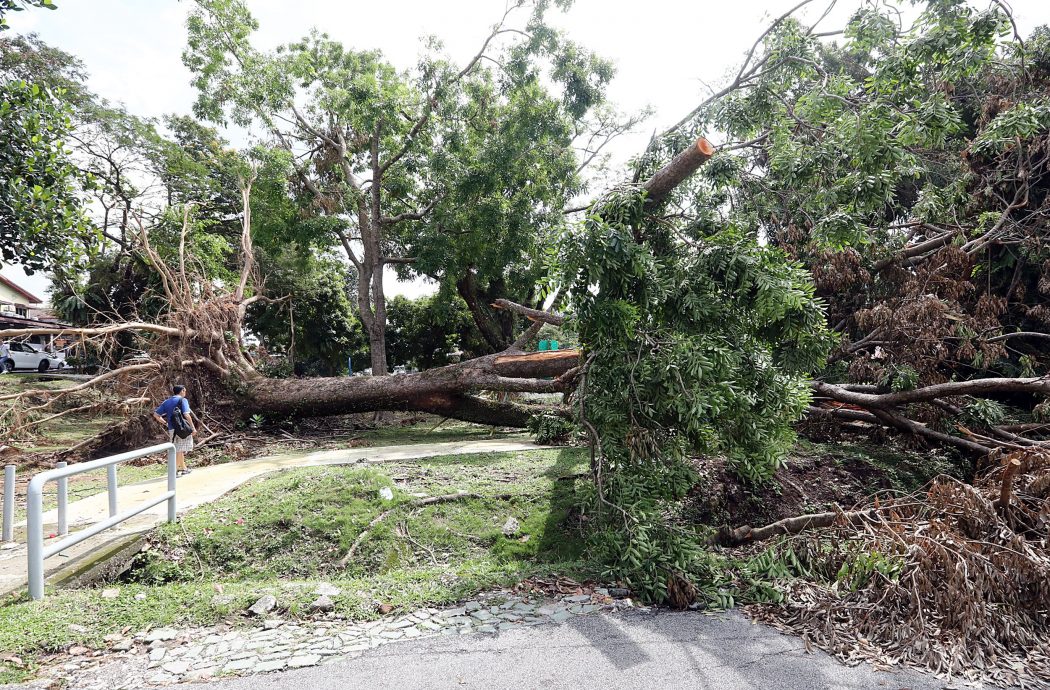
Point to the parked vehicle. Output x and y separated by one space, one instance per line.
24 356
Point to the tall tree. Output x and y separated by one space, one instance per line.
395 159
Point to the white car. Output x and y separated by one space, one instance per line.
25 356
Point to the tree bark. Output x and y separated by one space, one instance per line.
496 329
680 168
448 391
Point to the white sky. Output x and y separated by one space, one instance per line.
664 50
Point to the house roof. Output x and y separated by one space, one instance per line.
33 299
11 321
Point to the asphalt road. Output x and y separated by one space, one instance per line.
663 650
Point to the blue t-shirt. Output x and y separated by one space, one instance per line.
169 405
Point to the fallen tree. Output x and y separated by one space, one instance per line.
200 340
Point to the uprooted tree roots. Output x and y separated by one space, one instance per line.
956 581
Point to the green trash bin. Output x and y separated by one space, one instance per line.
554 344
543 346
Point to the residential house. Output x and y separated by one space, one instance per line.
20 308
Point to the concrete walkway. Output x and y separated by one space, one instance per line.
204 485
655 651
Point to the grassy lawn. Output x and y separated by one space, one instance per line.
282 533
431 429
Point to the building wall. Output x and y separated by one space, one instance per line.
9 295
11 300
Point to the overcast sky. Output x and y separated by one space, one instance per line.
665 51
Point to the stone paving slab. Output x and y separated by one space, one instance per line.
166 655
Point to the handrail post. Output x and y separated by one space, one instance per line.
9 504
171 483
35 507
63 502
35 537
111 486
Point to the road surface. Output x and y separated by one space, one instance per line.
635 650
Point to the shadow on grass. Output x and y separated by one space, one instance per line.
560 537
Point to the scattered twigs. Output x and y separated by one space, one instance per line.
948 580
418 503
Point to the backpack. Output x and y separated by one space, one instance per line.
178 421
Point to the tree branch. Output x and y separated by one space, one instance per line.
149 366
531 314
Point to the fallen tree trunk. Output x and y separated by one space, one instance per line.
192 341
449 391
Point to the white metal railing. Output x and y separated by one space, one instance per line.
35 507
9 504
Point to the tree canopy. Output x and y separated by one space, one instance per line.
449 171
42 222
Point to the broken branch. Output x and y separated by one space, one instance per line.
419 502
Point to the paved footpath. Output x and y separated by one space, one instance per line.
628 650
500 640
204 485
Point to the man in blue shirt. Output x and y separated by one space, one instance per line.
163 414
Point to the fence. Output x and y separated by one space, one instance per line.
9 504
35 507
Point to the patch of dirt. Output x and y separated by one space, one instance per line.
802 485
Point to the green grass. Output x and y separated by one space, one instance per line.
66 432
57 434
299 523
282 533
16 383
429 431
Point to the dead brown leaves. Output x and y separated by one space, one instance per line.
951 581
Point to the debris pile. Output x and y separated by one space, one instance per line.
955 580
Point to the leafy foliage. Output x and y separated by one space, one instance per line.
42 222
315 325
692 347
905 166
422 331
8 6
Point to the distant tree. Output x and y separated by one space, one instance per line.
422 331
313 324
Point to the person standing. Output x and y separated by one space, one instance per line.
164 414
5 354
